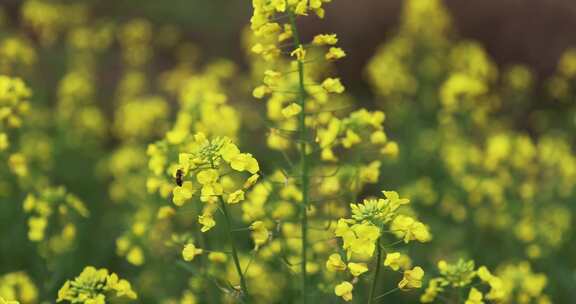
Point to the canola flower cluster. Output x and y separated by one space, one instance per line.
14 105
511 281
204 170
201 182
17 285
363 236
94 286
47 210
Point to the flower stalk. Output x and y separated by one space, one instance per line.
304 177
376 272
227 221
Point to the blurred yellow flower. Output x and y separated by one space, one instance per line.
344 290
474 297
335 53
291 110
235 197
325 39
190 251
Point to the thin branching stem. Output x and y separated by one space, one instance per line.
232 240
387 293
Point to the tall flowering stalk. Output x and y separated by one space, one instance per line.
337 150
304 178
205 170
262 24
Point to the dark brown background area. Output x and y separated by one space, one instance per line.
533 32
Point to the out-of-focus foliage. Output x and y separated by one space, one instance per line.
134 170
482 150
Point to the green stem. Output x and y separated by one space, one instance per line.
386 293
376 272
303 160
234 250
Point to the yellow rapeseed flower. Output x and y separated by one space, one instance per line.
190 251
4 143
392 260
235 197
333 85
207 221
244 162
183 193
344 290
412 279
325 39
291 110
356 269
260 234
218 257
474 297
335 53
299 53
335 263
410 229
207 177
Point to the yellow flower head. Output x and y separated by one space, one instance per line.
299 53
245 162
165 212
190 251
359 239
260 234
335 53
4 143
260 91
474 297
291 110
457 274
235 197
392 260
335 263
135 256
229 151
208 176
412 279
181 194
325 39
218 257
394 199
207 221
18 164
410 229
333 85
344 290
251 181
356 269
93 286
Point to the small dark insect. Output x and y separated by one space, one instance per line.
179 175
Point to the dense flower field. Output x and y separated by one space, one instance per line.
132 170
